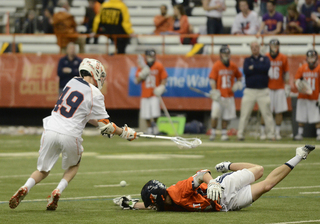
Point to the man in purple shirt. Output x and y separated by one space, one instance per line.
272 21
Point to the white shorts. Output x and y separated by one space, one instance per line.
237 189
278 101
225 108
307 111
150 107
54 143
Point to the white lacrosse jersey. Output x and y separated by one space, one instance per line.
79 102
246 25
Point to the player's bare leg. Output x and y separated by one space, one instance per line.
279 173
35 178
214 123
224 135
318 131
68 175
278 118
299 136
149 126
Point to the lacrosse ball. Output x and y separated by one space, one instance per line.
123 183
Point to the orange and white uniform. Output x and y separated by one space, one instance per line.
224 77
150 104
187 195
307 111
279 66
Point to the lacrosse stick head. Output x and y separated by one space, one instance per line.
186 143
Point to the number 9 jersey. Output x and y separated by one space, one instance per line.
79 102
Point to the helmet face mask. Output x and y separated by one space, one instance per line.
274 46
96 69
150 57
153 193
312 57
225 54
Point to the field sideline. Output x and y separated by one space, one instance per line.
105 162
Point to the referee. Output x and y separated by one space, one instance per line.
256 68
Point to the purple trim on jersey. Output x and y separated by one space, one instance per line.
82 81
271 22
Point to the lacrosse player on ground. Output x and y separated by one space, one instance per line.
200 192
278 85
307 80
80 102
222 83
153 78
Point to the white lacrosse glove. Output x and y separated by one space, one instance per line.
159 90
144 73
107 128
223 167
237 86
303 86
128 133
215 94
214 191
287 89
127 203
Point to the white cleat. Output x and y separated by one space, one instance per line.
278 137
53 199
304 151
18 197
263 137
224 137
223 167
298 137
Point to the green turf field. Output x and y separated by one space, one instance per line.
88 198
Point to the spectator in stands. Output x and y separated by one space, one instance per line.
256 69
306 9
89 17
250 4
31 23
114 18
214 9
282 6
68 66
162 22
46 2
315 16
296 22
263 7
47 22
272 21
245 22
64 23
185 4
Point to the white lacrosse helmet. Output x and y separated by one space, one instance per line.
96 70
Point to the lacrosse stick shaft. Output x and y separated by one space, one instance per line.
167 115
200 92
155 136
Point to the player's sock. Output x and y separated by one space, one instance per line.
278 129
262 128
224 132
213 131
30 183
293 162
300 130
62 185
150 130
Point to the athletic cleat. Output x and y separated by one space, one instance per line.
223 167
53 200
304 151
212 137
278 137
18 197
224 137
298 137
263 137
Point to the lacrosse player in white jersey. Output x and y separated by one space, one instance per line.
80 102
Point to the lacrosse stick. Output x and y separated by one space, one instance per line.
167 115
182 143
200 92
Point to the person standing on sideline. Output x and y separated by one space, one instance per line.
214 9
162 22
68 66
222 78
278 85
153 79
80 102
308 105
256 68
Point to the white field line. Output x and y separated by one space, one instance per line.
150 156
36 154
315 192
75 198
110 185
305 221
144 171
302 187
